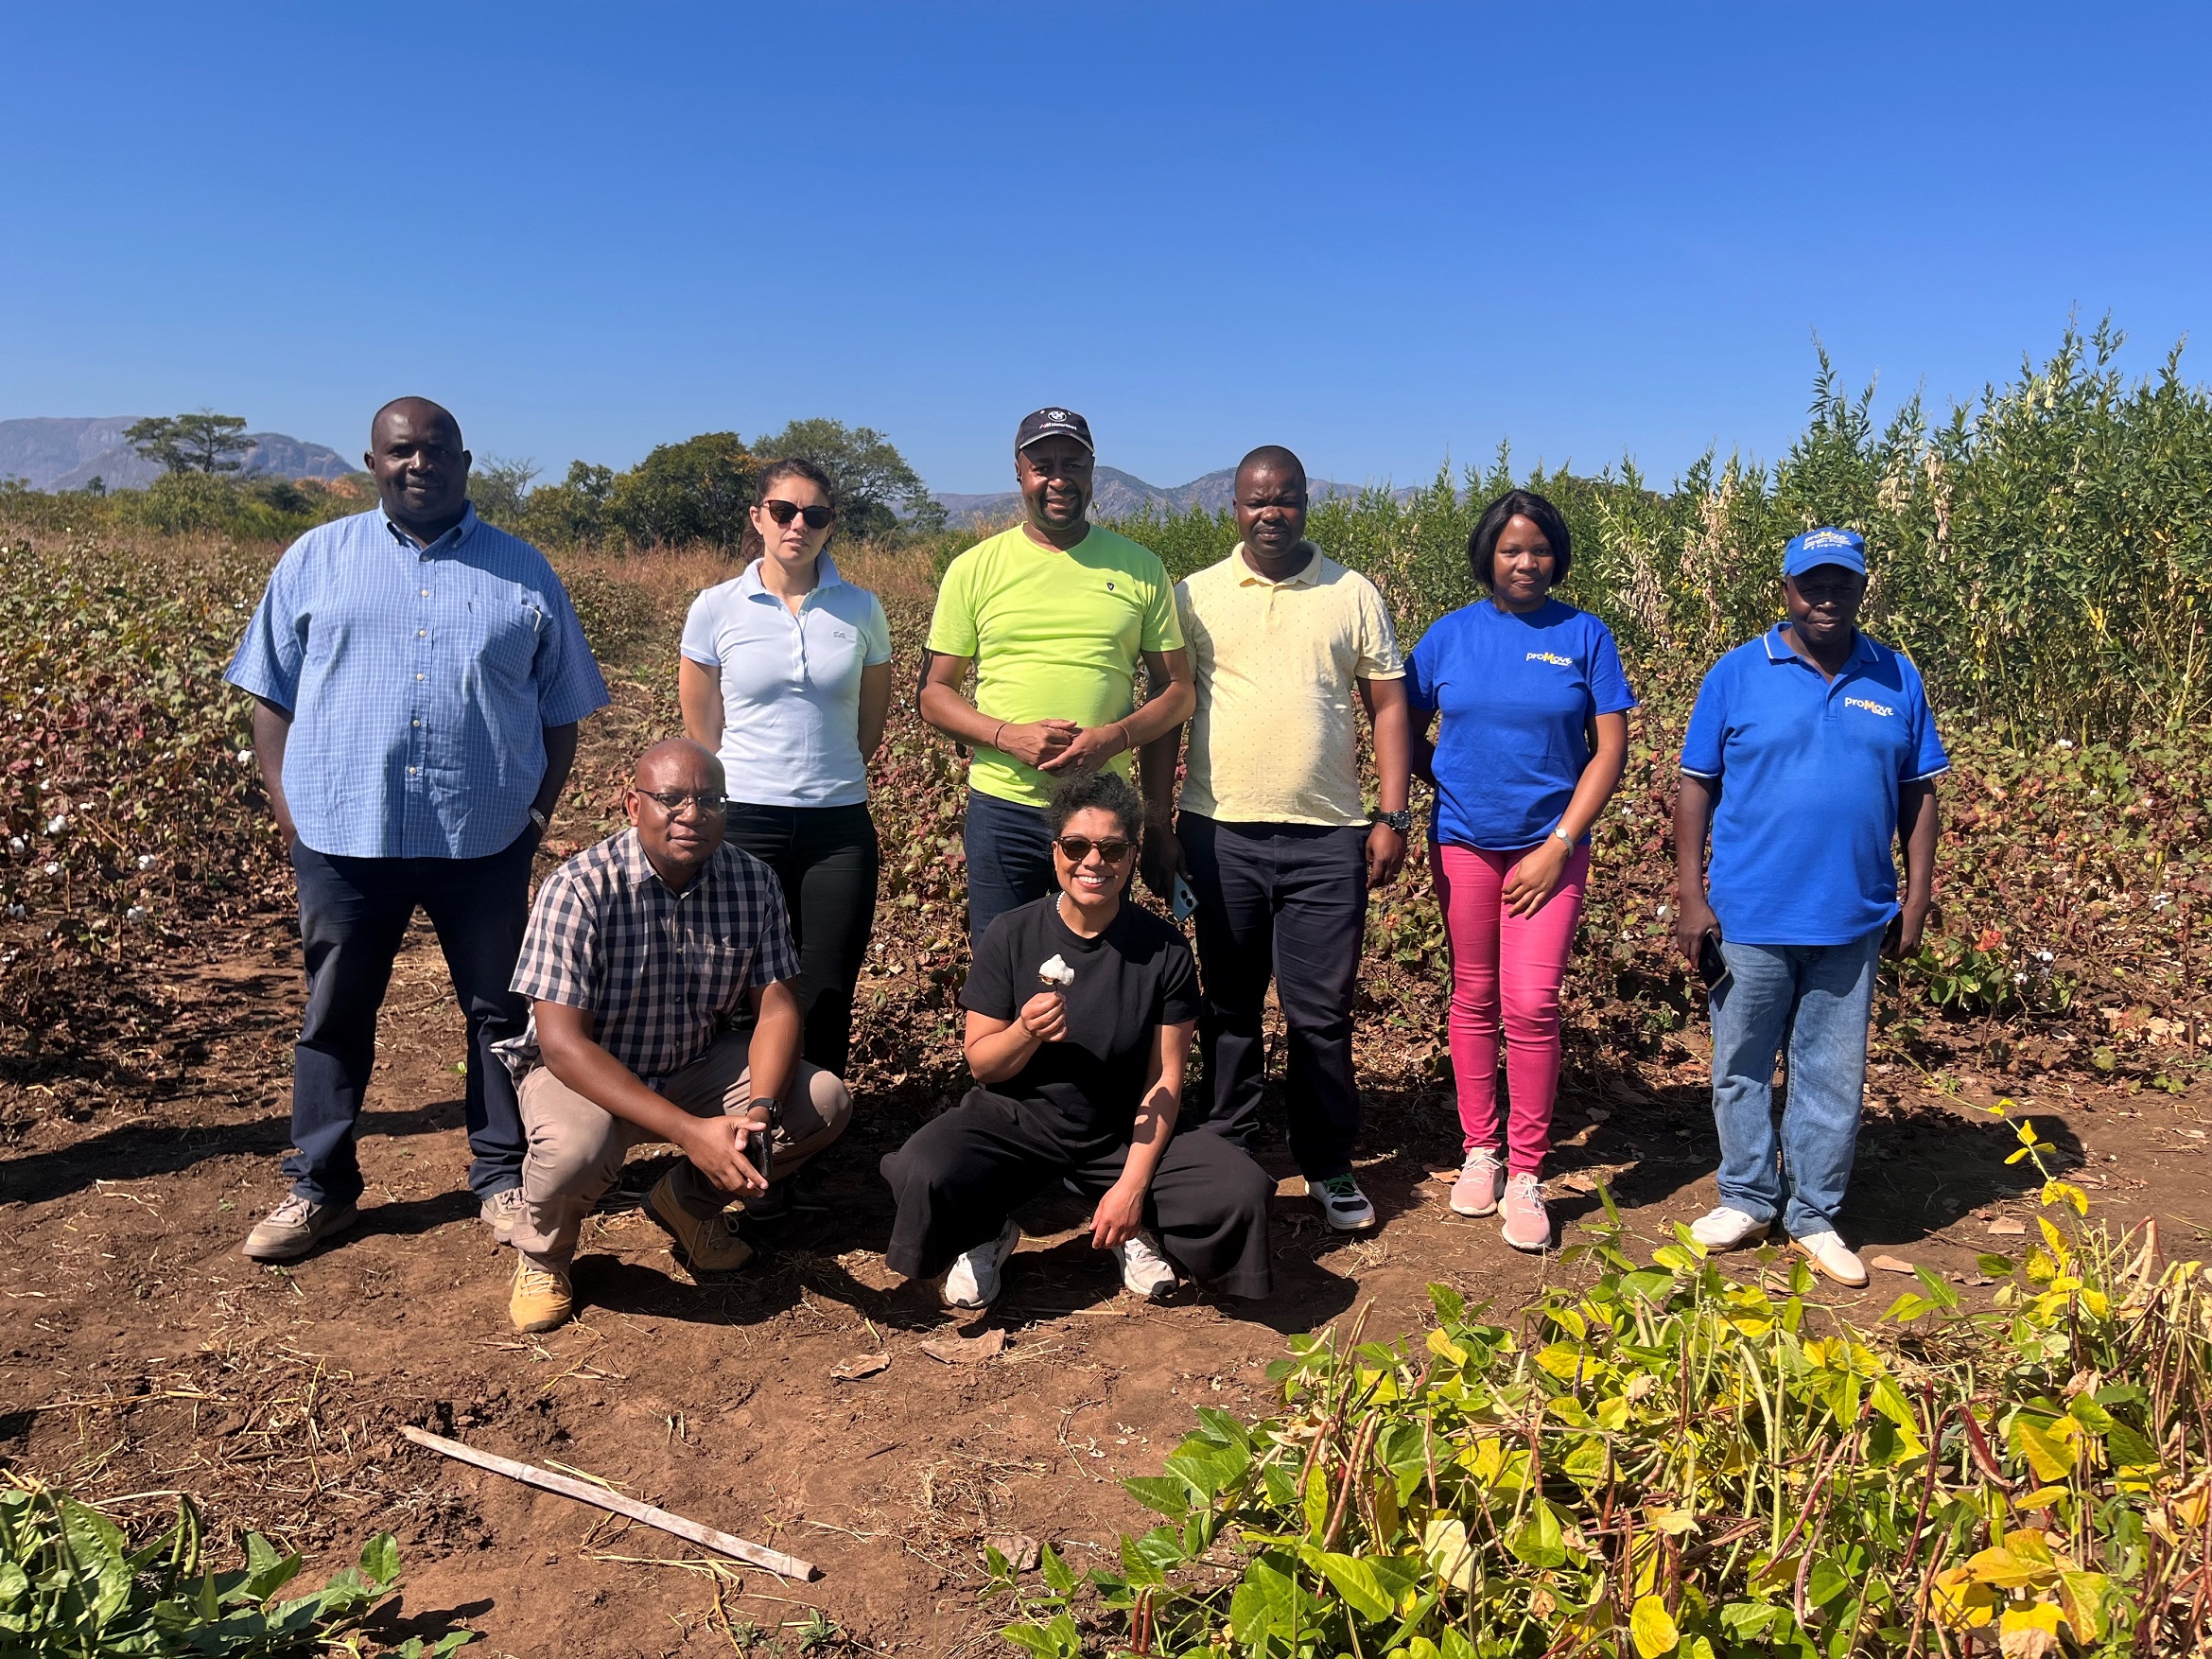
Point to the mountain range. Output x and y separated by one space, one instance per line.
67 453
1119 494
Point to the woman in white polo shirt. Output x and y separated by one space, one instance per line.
785 675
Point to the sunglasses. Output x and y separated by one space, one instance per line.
784 511
1075 848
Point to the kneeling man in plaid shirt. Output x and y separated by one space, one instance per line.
642 954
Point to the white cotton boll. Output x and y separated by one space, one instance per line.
1055 974
16 844
58 823
136 913
245 757
53 869
146 860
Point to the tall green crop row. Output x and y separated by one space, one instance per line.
2045 555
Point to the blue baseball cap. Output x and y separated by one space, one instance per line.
1826 546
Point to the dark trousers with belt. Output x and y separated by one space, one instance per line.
828 860
353 915
959 1176
1286 901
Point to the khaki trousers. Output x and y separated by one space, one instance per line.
576 1148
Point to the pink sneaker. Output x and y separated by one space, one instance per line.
1481 1179
1528 1224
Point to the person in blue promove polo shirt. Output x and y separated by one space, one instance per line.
1810 752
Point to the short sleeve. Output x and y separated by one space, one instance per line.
266 663
1163 626
1378 642
568 681
1609 681
701 624
989 991
953 623
559 960
876 634
1179 990
1707 736
1422 665
777 958
1929 759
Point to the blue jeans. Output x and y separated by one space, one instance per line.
353 913
1819 997
1009 859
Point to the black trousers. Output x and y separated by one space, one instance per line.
1286 901
353 915
960 1175
828 860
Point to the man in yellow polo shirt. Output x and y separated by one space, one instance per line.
1273 831
1054 615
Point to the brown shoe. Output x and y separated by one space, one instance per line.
707 1246
542 1299
295 1226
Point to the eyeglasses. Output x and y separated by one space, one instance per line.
1075 848
784 511
673 802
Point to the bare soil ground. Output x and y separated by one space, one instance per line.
143 1355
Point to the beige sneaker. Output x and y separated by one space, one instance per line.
499 1213
707 1246
1835 1258
542 1299
295 1226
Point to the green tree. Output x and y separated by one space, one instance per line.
205 443
572 511
694 491
878 492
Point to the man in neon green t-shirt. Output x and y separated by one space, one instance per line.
1053 615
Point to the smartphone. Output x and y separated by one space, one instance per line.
1712 965
1184 902
760 1151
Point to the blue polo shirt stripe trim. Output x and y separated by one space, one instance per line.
1803 832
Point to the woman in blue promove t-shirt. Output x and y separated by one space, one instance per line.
1535 732
785 675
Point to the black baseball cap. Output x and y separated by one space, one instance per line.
1054 422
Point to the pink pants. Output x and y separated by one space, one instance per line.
1511 966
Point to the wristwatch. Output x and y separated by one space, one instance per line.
1401 820
773 1107
1563 835
539 819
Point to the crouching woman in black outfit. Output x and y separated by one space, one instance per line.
1080 1009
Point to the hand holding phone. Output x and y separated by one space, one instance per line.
1712 965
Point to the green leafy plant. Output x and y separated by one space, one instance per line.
1669 1460
71 1583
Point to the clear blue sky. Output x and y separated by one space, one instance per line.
1375 232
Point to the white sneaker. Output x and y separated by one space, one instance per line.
1727 1229
1343 1205
1834 1257
1145 1271
973 1281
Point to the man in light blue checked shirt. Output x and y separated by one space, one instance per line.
417 676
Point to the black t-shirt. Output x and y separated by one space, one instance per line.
1131 979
